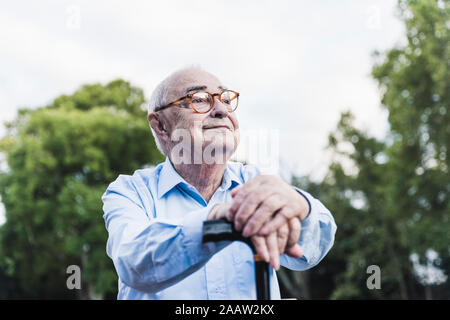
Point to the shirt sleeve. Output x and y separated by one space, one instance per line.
317 235
151 254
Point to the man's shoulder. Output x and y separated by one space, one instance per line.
139 178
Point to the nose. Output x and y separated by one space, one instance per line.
219 109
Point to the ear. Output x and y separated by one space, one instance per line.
157 124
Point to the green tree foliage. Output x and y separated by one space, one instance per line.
61 158
390 198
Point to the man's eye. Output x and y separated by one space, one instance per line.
200 100
226 101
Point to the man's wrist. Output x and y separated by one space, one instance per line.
305 206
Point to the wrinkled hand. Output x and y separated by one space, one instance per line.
269 247
284 240
264 204
269 210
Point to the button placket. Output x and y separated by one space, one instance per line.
215 280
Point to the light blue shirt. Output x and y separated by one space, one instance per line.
155 218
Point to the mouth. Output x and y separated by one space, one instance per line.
217 127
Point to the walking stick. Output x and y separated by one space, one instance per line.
221 229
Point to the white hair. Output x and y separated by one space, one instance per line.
159 98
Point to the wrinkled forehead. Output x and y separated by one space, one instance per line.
186 82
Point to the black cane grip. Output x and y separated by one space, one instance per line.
222 230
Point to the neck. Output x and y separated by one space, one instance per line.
206 178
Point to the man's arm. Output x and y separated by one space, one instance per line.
151 254
265 203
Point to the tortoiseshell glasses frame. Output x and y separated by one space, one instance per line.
233 106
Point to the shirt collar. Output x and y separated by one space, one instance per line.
230 179
169 178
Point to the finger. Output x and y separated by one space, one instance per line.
236 190
220 211
282 235
239 197
272 246
261 248
249 206
229 214
295 251
283 216
224 212
241 192
294 232
263 213
255 182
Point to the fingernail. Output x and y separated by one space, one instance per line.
237 226
246 232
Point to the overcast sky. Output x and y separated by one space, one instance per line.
297 64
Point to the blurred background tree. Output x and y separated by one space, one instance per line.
390 198
61 158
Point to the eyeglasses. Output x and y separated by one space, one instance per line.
202 102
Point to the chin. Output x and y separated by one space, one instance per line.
217 153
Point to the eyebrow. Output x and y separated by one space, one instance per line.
195 88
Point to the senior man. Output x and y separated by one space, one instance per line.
154 217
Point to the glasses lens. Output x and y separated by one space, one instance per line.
230 99
201 101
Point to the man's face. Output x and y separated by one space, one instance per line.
211 136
